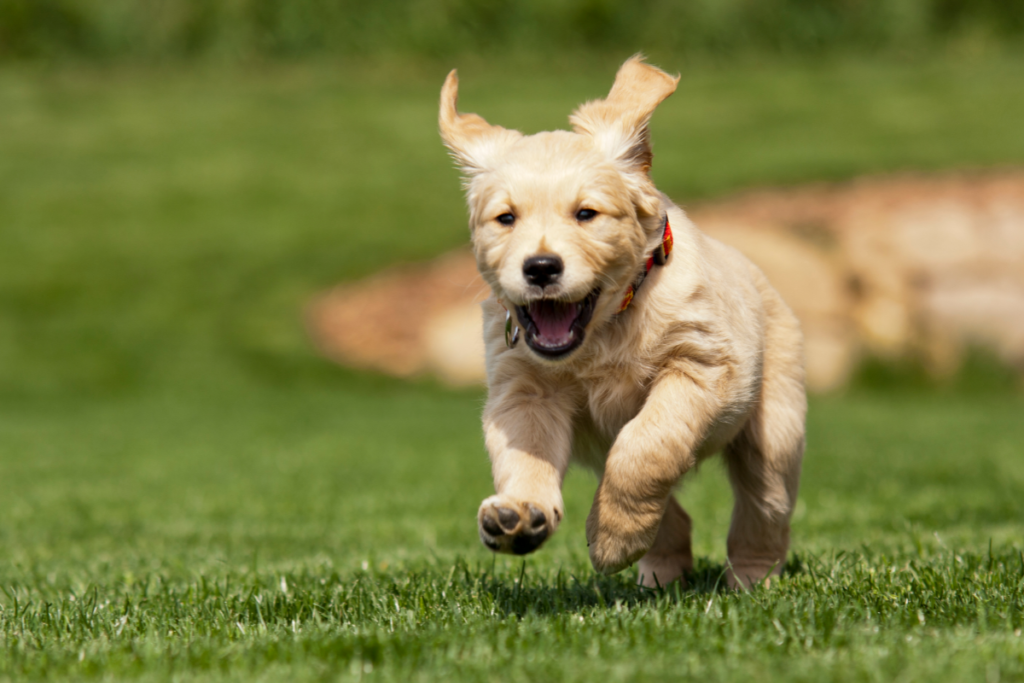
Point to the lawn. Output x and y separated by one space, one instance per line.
187 493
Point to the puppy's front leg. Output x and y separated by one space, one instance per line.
528 430
648 457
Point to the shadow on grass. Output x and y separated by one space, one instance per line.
566 593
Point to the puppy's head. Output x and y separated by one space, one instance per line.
561 221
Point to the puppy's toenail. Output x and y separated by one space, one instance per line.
491 526
537 518
509 518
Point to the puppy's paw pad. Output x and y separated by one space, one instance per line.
537 517
514 527
508 519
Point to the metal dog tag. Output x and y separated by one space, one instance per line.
511 331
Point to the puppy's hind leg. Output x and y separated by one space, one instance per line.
764 459
764 469
671 555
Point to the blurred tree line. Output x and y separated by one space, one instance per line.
184 29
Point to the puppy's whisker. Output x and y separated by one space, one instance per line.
606 282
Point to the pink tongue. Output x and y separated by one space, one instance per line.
554 321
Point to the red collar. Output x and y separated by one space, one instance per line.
658 258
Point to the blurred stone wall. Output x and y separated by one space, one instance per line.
887 266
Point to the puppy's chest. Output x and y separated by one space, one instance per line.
609 403
613 398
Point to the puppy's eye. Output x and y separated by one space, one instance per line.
584 215
506 219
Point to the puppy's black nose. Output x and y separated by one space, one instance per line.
543 270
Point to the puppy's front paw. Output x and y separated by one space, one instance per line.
517 527
610 552
616 541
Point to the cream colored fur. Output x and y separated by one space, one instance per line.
707 359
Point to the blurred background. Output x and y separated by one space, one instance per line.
181 178
193 194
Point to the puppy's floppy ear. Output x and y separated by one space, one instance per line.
618 123
474 143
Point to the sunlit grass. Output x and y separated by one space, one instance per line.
311 533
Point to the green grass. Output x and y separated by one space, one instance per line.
318 534
187 493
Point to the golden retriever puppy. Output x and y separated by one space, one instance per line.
621 337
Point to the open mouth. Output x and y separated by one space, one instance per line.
555 328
